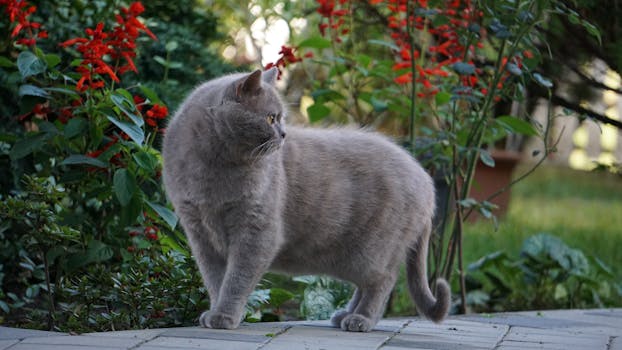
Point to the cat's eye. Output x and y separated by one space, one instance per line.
270 119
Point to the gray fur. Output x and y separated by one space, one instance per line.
254 197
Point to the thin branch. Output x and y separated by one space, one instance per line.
560 101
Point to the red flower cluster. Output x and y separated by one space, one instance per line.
156 112
119 43
447 50
334 12
287 57
19 11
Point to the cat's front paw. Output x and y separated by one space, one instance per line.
218 320
356 323
338 316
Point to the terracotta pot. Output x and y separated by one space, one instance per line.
489 180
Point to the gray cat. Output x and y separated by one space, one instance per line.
253 198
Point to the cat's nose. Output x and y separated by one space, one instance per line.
283 134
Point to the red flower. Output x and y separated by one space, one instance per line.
120 44
287 57
19 11
156 112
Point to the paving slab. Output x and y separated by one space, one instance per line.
17 333
552 330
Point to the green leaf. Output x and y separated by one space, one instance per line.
145 160
5 62
379 105
593 30
463 68
52 60
160 60
442 98
134 132
96 252
317 112
166 214
384 43
315 42
4 306
513 68
516 125
278 296
151 95
29 64
61 90
171 46
80 159
124 185
486 158
123 99
547 83
27 145
31 90
75 127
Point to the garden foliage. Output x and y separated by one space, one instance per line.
89 242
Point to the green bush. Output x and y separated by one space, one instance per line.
547 275
88 240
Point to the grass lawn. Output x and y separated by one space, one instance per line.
584 209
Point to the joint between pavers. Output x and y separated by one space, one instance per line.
144 341
502 338
395 333
269 340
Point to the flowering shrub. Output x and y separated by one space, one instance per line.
434 73
85 187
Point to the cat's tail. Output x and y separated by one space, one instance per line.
432 306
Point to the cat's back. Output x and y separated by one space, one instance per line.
353 165
362 152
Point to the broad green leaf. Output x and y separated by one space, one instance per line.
80 159
150 94
315 42
123 99
145 160
379 105
75 127
517 125
124 185
29 64
52 60
5 62
317 112
28 145
31 90
442 98
134 132
166 214
278 296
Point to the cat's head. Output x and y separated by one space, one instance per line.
253 113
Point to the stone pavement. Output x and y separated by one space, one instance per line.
557 329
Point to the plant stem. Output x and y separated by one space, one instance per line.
51 309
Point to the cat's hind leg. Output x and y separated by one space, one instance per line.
373 299
352 304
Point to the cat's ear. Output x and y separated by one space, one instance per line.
271 75
249 85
